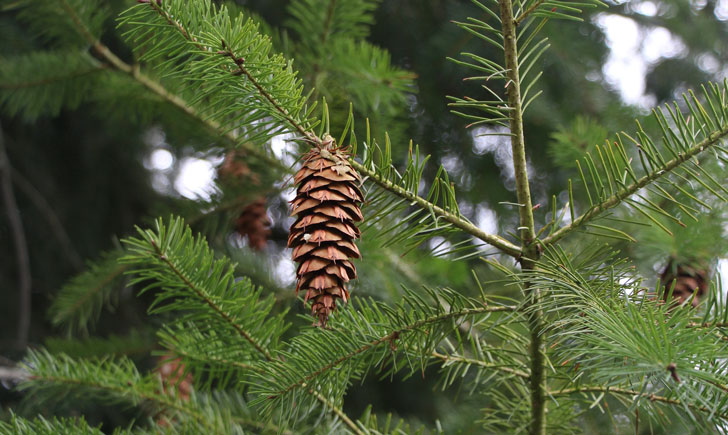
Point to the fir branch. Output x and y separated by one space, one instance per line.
565 9
64 23
633 393
388 338
193 282
456 221
207 359
336 410
202 294
712 140
43 426
79 303
237 62
358 341
518 20
56 377
518 146
274 102
44 82
601 322
269 80
318 22
449 359
157 88
32 83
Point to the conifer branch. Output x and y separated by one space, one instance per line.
69 312
162 401
492 239
327 22
708 325
712 140
530 252
214 359
633 393
119 378
518 20
335 409
51 80
479 363
157 88
215 127
388 338
212 304
238 63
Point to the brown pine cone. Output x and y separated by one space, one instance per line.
322 238
234 170
170 371
688 280
254 223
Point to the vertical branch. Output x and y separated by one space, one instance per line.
530 252
21 246
513 87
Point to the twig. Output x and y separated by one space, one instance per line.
479 363
528 12
114 61
616 199
492 239
50 216
336 410
13 374
388 339
21 246
627 392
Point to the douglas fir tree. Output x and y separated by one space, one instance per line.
569 330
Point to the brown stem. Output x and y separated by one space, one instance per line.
51 217
21 246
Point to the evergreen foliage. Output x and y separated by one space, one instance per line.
580 328
82 300
40 425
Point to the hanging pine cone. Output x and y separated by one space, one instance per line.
254 223
327 205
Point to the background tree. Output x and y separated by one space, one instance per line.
188 92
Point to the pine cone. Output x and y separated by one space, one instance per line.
688 279
170 371
234 170
322 238
254 223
